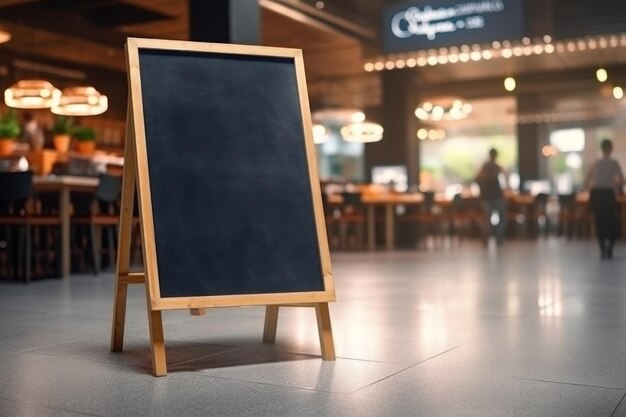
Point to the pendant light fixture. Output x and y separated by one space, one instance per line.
362 132
31 94
444 108
80 101
350 123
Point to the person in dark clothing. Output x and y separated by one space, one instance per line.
488 179
603 180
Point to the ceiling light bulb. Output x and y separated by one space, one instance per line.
443 108
618 93
510 84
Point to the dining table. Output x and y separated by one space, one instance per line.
389 201
64 185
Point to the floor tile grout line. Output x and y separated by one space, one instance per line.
51 408
136 367
406 369
266 384
618 404
562 383
229 350
34 349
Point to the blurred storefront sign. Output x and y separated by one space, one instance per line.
431 24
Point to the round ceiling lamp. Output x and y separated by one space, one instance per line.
446 108
362 132
31 94
80 101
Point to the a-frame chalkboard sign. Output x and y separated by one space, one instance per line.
220 153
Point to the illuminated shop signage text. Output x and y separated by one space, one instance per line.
451 22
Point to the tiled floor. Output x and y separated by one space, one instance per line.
529 329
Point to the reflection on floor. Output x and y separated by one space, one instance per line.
527 329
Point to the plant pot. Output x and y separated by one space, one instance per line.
7 146
85 147
61 143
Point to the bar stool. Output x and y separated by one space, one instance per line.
100 215
27 235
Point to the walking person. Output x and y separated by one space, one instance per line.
488 179
603 180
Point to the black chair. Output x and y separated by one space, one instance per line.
573 219
538 221
351 221
28 235
98 214
425 219
466 217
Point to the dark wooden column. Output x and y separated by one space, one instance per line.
529 142
399 145
225 21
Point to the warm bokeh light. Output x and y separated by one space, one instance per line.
618 92
431 134
357 117
362 132
510 84
444 108
602 75
548 150
319 134
4 36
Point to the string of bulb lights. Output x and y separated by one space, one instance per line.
496 50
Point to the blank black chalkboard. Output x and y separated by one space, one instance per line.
230 186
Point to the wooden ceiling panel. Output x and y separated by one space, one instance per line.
333 60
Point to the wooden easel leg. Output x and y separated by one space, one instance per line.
157 343
271 322
119 317
325 331
125 231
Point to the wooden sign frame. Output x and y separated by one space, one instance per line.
136 178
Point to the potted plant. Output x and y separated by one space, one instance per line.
9 131
85 138
62 133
